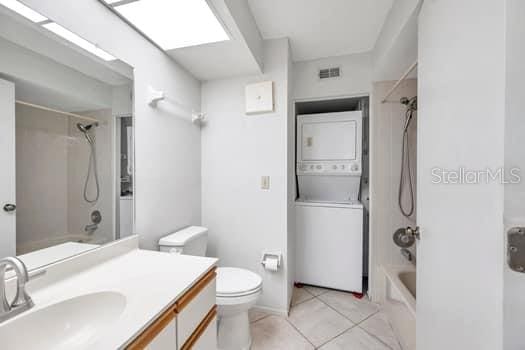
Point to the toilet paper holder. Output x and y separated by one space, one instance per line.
271 255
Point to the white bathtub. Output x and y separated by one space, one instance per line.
400 303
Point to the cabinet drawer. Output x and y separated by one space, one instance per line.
194 306
163 328
205 336
166 339
208 339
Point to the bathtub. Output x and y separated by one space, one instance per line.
400 303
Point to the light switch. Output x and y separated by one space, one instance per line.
265 182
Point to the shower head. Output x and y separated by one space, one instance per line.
86 127
411 103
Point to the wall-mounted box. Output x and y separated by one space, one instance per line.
259 97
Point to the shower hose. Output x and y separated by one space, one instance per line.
406 174
92 168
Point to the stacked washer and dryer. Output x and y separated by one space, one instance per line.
329 216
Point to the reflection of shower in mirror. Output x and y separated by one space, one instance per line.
92 162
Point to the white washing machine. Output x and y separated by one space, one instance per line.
329 217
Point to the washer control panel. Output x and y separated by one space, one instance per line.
328 168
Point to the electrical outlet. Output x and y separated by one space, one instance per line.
265 182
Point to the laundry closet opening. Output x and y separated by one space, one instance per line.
332 183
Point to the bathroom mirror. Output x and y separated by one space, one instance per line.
66 140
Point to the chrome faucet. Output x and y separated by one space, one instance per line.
22 300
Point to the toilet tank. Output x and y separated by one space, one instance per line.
191 240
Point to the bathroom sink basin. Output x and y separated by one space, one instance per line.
74 323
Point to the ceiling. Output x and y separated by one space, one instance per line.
322 28
215 60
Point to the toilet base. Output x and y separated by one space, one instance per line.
233 332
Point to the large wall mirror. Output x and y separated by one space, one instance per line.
66 140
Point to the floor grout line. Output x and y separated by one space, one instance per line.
330 307
300 333
353 326
307 292
305 337
337 336
348 318
375 337
392 331
302 301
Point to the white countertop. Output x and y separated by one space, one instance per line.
151 282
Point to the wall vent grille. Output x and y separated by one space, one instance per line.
327 73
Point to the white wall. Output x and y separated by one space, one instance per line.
167 147
238 149
386 135
396 47
461 124
122 102
42 175
356 77
514 282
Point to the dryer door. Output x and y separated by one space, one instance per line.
329 140
329 143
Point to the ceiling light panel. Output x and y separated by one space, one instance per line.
23 10
173 23
75 39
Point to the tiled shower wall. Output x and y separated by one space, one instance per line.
51 164
386 129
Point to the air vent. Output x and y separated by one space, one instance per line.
327 73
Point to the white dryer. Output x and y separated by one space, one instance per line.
329 217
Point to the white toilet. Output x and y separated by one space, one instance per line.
237 289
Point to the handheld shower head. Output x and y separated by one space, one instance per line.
92 165
411 103
86 127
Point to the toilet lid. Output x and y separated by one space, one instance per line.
232 281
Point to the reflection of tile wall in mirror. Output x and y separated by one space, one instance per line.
68 99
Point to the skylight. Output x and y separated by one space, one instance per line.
172 24
23 10
75 39
43 21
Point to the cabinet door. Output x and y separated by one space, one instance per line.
166 339
208 339
194 306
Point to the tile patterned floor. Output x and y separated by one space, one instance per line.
326 320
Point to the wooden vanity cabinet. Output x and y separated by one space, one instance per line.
190 323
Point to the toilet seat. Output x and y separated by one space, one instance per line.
234 282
